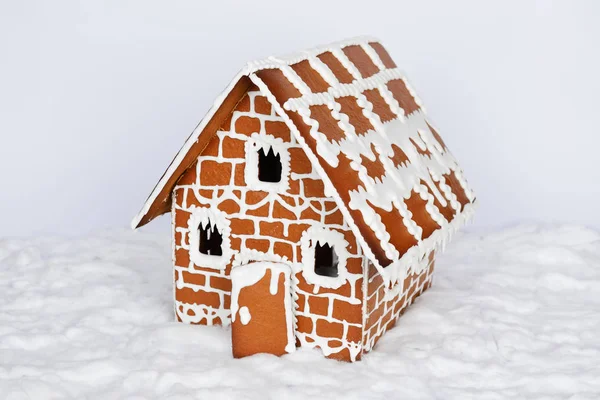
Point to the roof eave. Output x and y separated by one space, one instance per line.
159 199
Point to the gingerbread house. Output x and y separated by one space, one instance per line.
308 204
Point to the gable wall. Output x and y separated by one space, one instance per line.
264 226
384 308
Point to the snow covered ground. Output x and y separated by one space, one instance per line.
512 314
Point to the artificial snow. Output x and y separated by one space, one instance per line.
511 314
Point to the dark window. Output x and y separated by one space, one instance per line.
210 240
326 261
269 166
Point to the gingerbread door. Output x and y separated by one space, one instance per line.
261 309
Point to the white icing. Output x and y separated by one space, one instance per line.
398 289
199 312
338 90
245 316
173 249
373 55
275 62
250 274
324 344
345 61
322 68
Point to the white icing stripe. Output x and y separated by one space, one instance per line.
373 55
345 61
323 70
275 62
355 88
416 98
293 77
173 252
391 102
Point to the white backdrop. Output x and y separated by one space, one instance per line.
97 97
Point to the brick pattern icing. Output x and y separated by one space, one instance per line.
265 225
384 306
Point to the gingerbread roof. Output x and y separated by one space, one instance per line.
368 136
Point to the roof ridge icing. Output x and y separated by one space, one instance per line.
298 56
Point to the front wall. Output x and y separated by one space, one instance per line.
265 227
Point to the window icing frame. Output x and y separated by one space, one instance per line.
204 215
336 240
264 141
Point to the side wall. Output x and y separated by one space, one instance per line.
266 225
383 309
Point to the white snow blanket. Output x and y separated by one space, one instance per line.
511 314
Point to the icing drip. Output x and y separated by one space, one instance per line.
245 316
